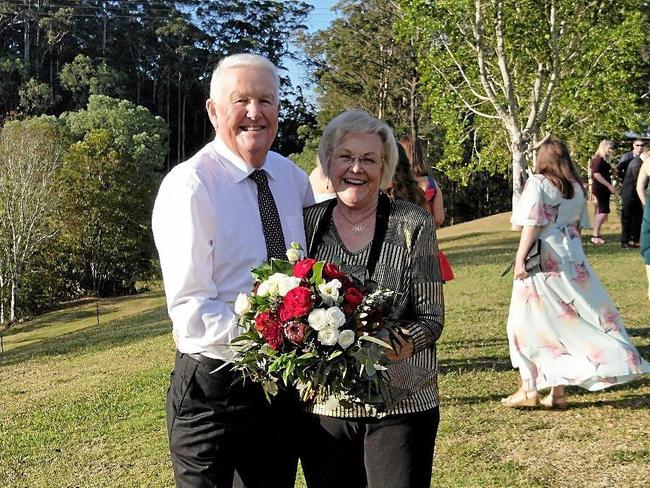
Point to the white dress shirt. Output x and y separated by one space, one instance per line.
208 231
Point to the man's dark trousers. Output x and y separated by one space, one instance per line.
223 433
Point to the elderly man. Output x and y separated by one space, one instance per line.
231 206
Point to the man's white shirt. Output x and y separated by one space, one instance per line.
208 231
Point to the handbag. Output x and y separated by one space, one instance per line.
446 271
533 261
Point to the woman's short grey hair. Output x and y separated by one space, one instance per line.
240 61
359 122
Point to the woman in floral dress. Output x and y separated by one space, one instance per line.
563 329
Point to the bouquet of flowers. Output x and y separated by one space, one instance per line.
310 326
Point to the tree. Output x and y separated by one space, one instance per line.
31 153
82 78
503 74
36 98
111 173
360 61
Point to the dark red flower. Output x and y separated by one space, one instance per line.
295 332
296 303
332 271
274 334
352 299
302 268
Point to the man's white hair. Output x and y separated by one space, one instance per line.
240 61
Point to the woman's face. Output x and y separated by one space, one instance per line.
356 167
608 150
645 157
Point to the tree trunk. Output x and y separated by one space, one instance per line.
179 108
518 173
12 302
26 40
184 124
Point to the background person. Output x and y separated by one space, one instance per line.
563 329
624 160
432 194
230 207
631 208
391 242
643 191
601 187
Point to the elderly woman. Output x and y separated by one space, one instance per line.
388 242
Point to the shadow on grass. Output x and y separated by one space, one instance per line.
470 343
488 363
70 316
640 402
117 332
81 309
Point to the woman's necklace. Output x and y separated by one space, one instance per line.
358 227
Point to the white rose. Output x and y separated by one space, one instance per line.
317 319
294 255
329 291
242 304
328 336
346 338
286 284
335 317
267 287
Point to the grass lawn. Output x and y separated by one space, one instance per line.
82 404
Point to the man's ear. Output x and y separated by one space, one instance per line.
211 108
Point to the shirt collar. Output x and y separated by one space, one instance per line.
241 170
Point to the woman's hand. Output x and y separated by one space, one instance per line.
520 270
403 346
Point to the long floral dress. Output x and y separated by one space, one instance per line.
563 329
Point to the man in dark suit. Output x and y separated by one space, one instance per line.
624 160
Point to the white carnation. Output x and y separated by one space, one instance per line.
286 284
346 338
317 319
329 291
328 336
242 304
335 317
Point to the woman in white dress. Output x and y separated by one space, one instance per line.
563 329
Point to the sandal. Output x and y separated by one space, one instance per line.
554 402
521 399
597 240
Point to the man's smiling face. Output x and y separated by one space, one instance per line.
246 114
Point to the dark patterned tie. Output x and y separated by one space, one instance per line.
271 226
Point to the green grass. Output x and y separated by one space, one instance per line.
82 404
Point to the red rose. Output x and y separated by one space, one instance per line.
295 332
274 334
332 271
262 320
352 299
297 303
302 268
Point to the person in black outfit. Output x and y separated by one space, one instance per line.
632 211
626 158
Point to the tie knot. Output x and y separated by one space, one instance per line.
258 176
